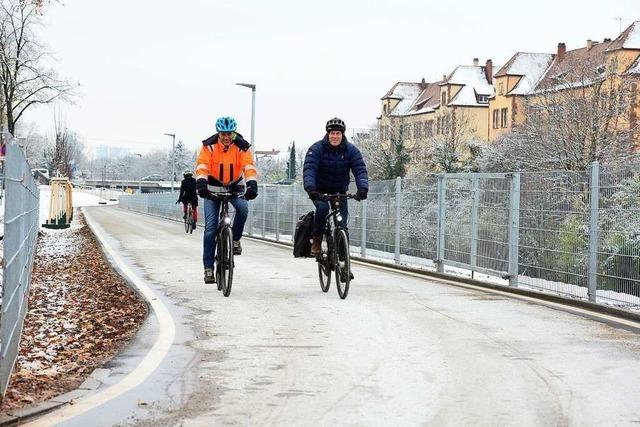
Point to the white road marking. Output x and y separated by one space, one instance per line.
150 362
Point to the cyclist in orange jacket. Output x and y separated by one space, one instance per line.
224 161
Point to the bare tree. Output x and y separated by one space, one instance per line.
385 152
25 80
450 146
577 117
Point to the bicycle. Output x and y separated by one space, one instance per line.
189 223
334 255
224 243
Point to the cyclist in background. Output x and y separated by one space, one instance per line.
188 195
224 162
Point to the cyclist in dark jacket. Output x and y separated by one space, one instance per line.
188 194
326 170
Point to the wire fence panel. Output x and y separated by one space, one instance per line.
576 234
21 216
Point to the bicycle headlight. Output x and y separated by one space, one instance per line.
227 220
339 217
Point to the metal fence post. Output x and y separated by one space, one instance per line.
363 230
264 208
294 214
398 201
594 203
277 198
474 224
514 229
442 194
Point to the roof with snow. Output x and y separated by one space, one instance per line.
474 82
531 66
428 100
628 39
635 68
406 93
578 67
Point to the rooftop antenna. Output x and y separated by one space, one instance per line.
619 24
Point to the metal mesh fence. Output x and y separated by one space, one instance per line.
576 234
21 216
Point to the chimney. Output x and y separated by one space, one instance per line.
444 77
488 70
607 40
423 84
562 49
475 62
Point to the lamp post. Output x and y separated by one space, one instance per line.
173 157
253 112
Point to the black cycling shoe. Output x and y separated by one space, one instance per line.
237 248
343 276
209 276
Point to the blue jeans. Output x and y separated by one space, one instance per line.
211 218
322 210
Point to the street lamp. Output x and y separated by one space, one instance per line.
173 157
253 111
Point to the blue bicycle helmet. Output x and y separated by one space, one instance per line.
226 124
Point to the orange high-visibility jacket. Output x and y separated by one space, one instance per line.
225 166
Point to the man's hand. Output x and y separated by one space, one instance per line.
178 201
201 186
361 195
252 190
314 195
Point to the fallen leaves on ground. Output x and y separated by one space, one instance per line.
80 315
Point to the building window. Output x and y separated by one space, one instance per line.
444 98
501 88
503 117
384 107
496 113
417 130
407 131
483 99
428 128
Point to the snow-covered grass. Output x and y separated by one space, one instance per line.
79 198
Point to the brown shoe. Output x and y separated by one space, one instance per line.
315 246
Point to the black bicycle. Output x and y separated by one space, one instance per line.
189 223
224 243
334 255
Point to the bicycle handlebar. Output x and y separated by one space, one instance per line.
329 197
222 195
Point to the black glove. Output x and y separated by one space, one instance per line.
201 186
178 201
252 190
314 195
361 195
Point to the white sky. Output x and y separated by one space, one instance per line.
149 67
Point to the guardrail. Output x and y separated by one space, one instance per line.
576 234
21 218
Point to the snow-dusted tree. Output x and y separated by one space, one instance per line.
449 147
183 159
25 77
577 117
291 164
386 156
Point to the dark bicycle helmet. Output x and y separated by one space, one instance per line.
187 172
336 124
226 124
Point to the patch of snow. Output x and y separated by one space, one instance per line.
633 38
407 93
531 66
473 81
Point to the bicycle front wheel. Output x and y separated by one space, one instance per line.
226 260
324 268
187 224
342 263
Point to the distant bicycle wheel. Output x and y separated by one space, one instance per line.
324 268
342 263
226 258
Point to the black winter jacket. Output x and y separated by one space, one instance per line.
188 191
326 168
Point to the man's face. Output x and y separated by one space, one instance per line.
335 137
225 137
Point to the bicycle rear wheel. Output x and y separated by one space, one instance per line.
226 258
342 263
324 268
187 223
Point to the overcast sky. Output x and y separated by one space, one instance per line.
149 67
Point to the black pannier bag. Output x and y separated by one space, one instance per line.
302 236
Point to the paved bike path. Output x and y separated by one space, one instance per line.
399 349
